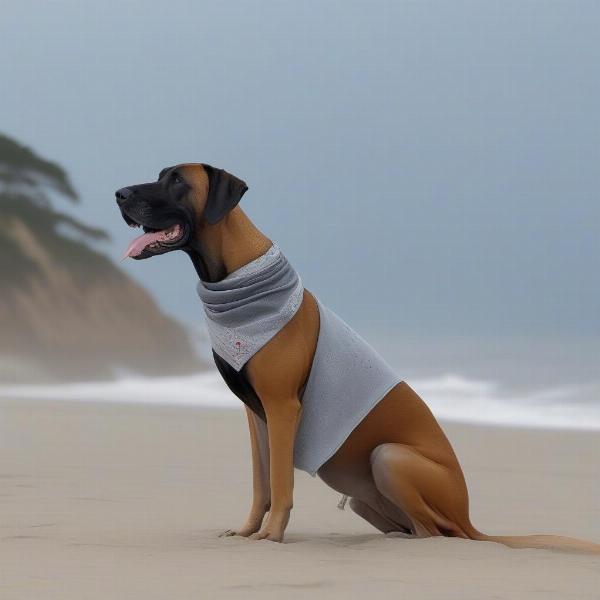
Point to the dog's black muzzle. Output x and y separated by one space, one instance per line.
122 195
154 208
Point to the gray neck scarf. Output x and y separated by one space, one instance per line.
247 308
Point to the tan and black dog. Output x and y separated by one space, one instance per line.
397 466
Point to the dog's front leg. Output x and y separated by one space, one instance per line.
261 488
282 422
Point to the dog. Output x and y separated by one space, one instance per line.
396 466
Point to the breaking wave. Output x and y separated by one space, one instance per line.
450 397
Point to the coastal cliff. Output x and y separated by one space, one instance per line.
66 310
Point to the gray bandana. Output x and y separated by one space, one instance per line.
247 308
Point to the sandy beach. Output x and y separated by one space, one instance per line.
116 501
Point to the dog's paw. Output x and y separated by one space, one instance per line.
267 535
243 532
228 533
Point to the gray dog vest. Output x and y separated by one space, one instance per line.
347 378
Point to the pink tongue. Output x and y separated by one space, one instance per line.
139 243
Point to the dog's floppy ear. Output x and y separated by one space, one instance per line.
224 192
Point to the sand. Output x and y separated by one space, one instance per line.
126 502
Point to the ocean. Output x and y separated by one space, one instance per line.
451 397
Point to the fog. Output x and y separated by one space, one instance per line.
431 169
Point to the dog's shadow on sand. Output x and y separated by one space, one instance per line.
309 538
336 539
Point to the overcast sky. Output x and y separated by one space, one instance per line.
430 168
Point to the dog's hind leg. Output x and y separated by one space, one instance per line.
379 520
433 496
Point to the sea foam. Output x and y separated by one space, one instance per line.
451 397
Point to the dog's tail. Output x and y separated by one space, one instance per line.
545 542
541 541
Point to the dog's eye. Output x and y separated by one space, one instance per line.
177 179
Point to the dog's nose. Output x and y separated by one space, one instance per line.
123 194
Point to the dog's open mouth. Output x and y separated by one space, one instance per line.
154 240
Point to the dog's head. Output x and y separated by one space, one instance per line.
171 209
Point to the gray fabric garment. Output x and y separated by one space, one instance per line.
247 308
347 378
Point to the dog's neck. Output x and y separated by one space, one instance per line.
218 250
